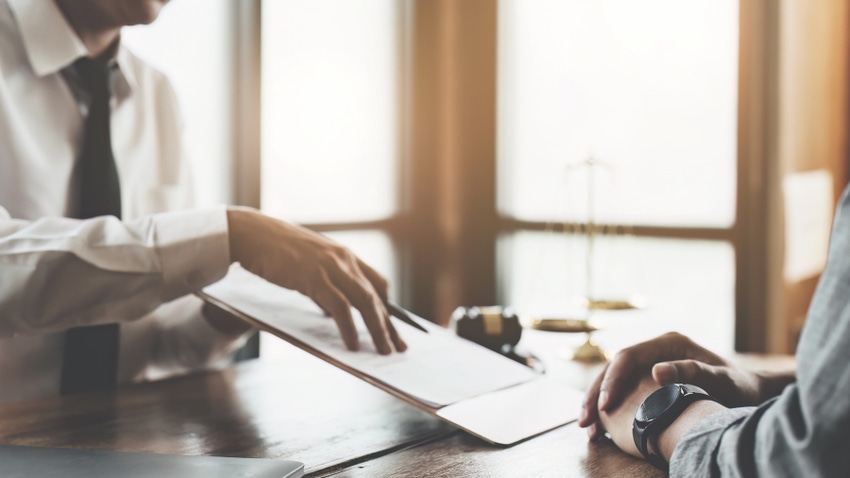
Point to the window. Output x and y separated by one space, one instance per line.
358 98
329 75
434 139
649 90
201 77
329 128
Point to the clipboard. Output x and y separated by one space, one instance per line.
488 396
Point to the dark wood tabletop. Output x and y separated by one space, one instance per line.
302 409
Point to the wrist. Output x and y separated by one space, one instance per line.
692 414
658 413
192 248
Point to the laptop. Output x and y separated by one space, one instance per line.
27 462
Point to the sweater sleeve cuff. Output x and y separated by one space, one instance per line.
696 451
193 249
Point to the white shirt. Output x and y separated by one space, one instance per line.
56 273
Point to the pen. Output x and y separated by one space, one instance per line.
402 315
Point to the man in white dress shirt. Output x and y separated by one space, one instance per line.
58 273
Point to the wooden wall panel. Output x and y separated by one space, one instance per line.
452 153
793 117
814 52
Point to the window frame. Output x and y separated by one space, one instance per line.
466 62
448 225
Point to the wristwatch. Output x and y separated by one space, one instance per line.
657 412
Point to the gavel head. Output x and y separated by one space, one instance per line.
493 327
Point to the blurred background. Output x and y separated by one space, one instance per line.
442 141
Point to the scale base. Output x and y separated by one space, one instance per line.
588 352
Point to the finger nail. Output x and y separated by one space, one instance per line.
603 400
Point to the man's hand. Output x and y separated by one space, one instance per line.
673 358
296 258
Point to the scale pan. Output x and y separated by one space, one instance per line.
616 304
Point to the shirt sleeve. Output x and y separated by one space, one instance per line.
790 436
57 273
803 431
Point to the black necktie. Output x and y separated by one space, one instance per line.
91 353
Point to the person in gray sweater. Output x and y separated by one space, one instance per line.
793 423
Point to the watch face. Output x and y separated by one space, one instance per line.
658 402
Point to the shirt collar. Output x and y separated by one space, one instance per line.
49 41
51 44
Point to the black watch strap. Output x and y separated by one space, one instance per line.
658 411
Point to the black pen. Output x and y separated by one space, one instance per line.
403 316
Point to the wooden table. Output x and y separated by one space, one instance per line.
302 409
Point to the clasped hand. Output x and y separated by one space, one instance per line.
637 371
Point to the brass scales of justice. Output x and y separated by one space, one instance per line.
589 351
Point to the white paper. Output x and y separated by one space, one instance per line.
534 407
438 368
809 204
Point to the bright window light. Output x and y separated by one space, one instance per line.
689 285
199 69
329 76
648 87
329 109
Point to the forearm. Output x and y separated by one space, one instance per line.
771 385
57 273
672 435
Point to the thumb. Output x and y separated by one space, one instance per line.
684 371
